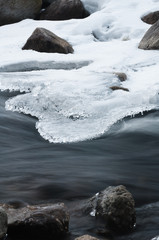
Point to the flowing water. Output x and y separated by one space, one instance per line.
78 136
35 171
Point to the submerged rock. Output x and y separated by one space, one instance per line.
116 206
43 40
64 10
12 11
114 88
86 237
150 40
122 76
3 223
151 18
48 221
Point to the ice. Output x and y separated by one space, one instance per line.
70 94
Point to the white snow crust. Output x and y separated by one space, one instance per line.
74 102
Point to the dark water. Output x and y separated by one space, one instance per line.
34 171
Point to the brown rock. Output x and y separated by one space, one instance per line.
151 18
150 40
48 221
114 88
42 40
64 10
122 76
86 237
12 11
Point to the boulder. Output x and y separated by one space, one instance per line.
64 10
116 206
3 223
12 11
49 221
114 88
122 76
42 40
150 40
86 237
151 18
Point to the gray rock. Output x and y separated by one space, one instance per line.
151 18
150 40
3 223
42 40
12 11
86 237
116 206
114 88
49 221
122 76
64 10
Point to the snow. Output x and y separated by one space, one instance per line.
71 95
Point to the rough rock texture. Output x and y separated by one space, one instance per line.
64 10
150 40
42 40
12 11
48 221
116 206
122 76
114 88
3 223
86 237
151 18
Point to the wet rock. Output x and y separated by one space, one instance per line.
151 18
114 88
3 223
122 76
64 10
46 3
155 238
42 40
116 207
48 221
150 40
12 11
86 237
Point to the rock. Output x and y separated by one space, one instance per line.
12 11
42 40
46 3
151 18
86 237
114 88
64 10
151 38
3 223
49 221
122 76
116 206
